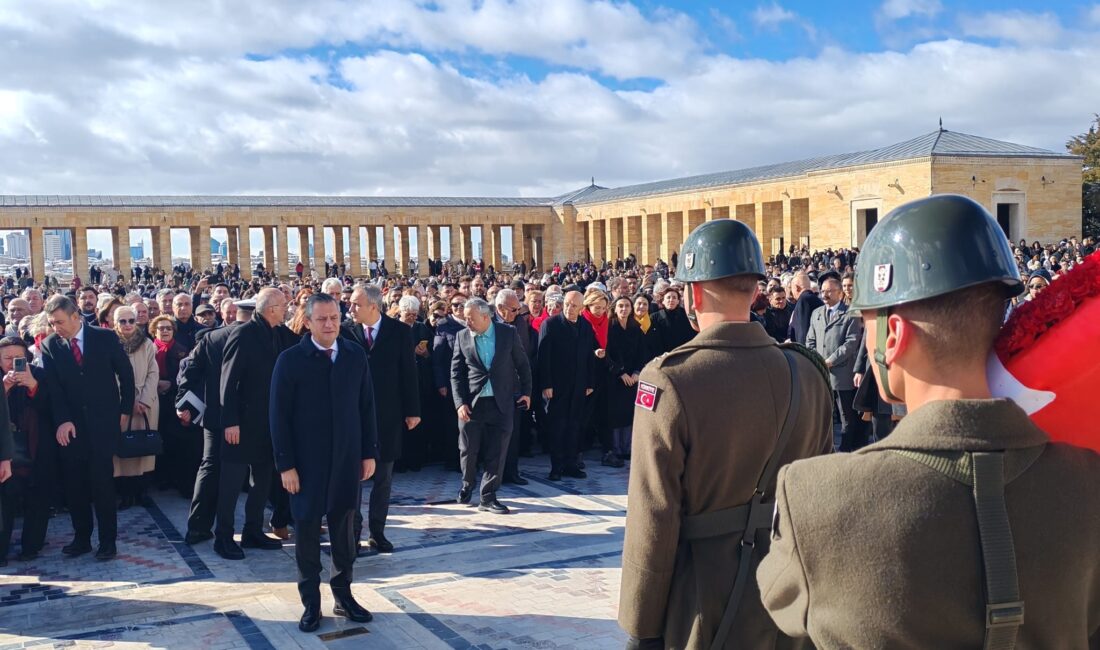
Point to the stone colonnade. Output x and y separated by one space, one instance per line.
651 236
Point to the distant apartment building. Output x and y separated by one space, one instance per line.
18 245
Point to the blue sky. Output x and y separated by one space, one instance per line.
510 97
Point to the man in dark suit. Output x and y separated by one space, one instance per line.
805 302
92 388
836 335
388 344
567 347
507 310
443 346
247 363
488 371
201 376
325 441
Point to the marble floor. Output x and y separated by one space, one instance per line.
544 576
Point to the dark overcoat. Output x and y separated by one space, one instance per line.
625 354
443 347
92 395
566 359
669 330
201 373
323 425
247 364
396 395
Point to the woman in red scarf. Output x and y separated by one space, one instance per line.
173 472
595 414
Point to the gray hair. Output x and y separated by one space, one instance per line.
373 294
329 283
503 295
62 303
554 299
317 299
480 305
409 303
554 290
125 308
264 298
165 292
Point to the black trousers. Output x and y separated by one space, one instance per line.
183 453
489 432
378 508
564 413
231 477
25 494
204 501
853 434
89 481
280 505
307 554
515 441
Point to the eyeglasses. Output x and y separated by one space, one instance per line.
458 304
126 321
1037 285
166 329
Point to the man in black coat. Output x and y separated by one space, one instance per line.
566 362
201 375
507 310
92 387
388 344
805 302
490 378
777 317
325 441
247 364
443 346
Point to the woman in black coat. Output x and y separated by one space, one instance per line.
182 454
624 361
671 327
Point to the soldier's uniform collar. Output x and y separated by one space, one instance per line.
964 425
735 335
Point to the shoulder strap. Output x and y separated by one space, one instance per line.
753 514
986 474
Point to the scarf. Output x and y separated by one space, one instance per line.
536 321
162 355
599 326
133 343
643 320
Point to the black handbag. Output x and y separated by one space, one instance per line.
136 443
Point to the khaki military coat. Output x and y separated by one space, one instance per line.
721 400
877 550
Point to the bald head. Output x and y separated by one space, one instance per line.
799 283
574 303
271 305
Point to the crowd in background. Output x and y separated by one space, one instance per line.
586 329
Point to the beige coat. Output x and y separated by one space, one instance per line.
720 404
876 550
146 375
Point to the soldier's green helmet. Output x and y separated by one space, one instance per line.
931 247
720 249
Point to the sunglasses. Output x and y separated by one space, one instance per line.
126 321
458 304
1037 285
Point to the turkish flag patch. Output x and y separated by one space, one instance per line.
647 396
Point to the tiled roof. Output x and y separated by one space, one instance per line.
42 200
937 143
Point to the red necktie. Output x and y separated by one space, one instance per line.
370 336
77 355
330 352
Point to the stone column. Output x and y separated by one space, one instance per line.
319 249
244 256
422 250
340 251
284 269
400 250
80 253
37 253
493 253
632 235
303 251
520 251
463 234
162 248
269 250
200 247
232 253
355 256
121 235
370 241
388 247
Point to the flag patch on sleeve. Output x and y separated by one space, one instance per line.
647 396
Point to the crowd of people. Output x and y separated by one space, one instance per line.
164 380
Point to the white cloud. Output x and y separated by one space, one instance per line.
1014 26
899 9
1092 15
772 16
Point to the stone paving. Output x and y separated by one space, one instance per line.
545 576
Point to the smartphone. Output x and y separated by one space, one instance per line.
20 364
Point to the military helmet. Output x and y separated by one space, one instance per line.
720 249
931 247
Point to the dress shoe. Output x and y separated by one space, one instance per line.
574 472
580 462
228 549
197 537
610 459
282 532
125 503
261 541
106 552
311 618
349 609
493 506
77 548
380 543
555 475
516 480
28 556
464 496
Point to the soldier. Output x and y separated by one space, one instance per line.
713 420
940 535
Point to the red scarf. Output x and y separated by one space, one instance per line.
599 326
536 322
162 355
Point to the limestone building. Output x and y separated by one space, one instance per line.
825 202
